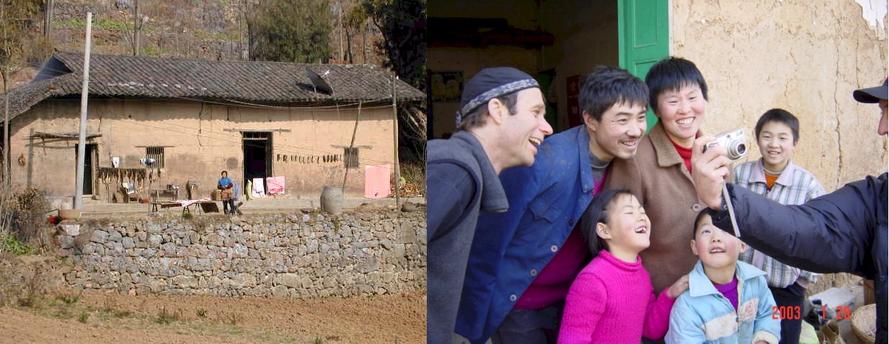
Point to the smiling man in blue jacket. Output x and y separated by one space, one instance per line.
524 260
843 231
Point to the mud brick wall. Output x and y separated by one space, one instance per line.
302 255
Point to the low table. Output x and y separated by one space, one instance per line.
206 205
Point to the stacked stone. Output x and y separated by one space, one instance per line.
300 256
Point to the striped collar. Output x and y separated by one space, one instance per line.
757 175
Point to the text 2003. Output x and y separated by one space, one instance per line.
786 312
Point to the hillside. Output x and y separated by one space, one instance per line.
215 29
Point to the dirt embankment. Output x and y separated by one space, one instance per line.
55 316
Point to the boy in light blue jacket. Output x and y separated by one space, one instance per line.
727 301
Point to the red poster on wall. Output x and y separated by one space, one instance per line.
573 90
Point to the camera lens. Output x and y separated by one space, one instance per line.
736 151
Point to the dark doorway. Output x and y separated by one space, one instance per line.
88 163
257 156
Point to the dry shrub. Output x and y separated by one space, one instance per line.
30 220
413 183
21 283
23 215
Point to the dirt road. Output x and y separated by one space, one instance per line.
113 318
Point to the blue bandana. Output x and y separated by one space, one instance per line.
490 83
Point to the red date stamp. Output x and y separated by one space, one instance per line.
843 312
795 313
786 312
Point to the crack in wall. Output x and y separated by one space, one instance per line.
838 115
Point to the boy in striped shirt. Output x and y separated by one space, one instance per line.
779 179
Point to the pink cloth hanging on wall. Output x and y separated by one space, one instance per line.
376 181
274 185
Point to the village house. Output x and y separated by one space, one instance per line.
195 118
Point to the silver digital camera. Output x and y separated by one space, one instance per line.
733 144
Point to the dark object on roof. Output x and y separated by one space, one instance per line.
318 82
233 82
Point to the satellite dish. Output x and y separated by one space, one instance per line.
318 82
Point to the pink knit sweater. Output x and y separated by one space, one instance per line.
612 301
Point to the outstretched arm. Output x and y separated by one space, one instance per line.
831 233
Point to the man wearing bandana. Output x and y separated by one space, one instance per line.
500 125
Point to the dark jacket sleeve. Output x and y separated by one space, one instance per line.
449 190
832 233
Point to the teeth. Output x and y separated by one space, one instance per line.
685 121
535 142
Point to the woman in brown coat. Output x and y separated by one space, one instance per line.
660 173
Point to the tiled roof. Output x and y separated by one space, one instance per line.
261 82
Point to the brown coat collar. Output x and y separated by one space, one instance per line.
664 150
663 147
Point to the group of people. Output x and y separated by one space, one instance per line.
603 233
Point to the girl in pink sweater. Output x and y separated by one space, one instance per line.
612 300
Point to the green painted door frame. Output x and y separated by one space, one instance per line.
643 37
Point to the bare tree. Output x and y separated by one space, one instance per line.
47 19
15 20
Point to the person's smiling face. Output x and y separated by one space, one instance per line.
682 113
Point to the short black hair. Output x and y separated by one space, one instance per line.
670 74
597 212
607 86
706 212
224 171
478 117
780 116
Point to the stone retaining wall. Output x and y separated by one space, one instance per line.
303 255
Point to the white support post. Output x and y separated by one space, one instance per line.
84 95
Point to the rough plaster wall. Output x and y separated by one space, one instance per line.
198 145
470 61
804 56
582 42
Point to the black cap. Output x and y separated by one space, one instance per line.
490 83
871 95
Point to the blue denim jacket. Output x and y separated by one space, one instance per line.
546 200
703 315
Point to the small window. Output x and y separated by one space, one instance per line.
156 153
350 157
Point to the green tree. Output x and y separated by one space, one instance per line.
290 31
403 24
